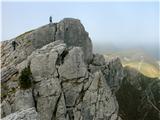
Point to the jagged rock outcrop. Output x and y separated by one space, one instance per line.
68 85
112 70
63 88
73 66
114 73
73 33
70 30
53 75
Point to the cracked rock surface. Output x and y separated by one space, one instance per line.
63 88
67 81
27 114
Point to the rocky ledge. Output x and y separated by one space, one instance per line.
53 75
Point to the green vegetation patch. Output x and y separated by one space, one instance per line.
25 78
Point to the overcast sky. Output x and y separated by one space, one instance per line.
128 23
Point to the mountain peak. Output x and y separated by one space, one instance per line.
70 30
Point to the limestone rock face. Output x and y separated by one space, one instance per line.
73 66
63 88
8 72
73 33
47 89
59 91
47 95
98 100
70 30
69 86
98 60
24 99
114 73
5 108
43 61
112 70
28 114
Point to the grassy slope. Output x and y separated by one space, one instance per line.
145 68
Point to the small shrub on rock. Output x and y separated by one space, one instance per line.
25 78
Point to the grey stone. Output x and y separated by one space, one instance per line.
47 95
114 73
71 91
60 112
73 33
73 66
98 60
5 108
98 101
7 73
95 100
43 61
24 99
27 114
70 30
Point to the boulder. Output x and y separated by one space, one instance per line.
98 63
98 60
73 66
44 60
73 33
24 99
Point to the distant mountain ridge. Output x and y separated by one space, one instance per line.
139 60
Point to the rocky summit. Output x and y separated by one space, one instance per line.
51 73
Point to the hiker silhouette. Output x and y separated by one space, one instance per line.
50 19
14 45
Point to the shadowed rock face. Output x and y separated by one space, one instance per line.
67 82
62 87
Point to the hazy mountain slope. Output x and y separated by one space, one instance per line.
145 68
138 97
139 60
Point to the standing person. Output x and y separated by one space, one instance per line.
50 19
14 45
